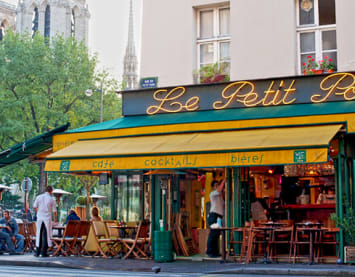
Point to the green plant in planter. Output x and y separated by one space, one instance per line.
213 73
81 201
348 225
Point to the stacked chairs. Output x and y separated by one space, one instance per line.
256 241
239 242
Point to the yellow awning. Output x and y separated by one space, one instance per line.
307 144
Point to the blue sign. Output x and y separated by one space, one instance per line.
299 156
151 82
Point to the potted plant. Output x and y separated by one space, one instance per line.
311 67
213 73
327 65
347 223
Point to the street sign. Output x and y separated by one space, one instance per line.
26 184
150 82
103 179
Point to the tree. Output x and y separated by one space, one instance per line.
88 182
42 87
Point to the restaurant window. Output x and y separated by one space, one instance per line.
213 37
316 30
129 198
34 21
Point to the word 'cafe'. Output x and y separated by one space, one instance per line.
288 142
245 92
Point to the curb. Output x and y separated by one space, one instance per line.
280 271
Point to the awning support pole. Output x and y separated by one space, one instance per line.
340 196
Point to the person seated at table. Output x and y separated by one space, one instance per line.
10 234
257 209
72 216
95 214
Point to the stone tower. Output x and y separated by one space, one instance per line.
53 17
130 63
7 17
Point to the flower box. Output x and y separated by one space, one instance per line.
349 254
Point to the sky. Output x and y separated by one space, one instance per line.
108 31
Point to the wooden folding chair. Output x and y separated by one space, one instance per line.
29 229
82 237
140 244
104 243
114 233
66 244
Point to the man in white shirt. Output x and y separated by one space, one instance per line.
44 206
216 211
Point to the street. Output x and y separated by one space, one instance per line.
24 271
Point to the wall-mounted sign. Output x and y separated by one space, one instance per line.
103 179
26 184
242 94
150 82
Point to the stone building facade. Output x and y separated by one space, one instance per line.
7 17
54 17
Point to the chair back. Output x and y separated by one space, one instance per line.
71 229
21 229
143 229
99 228
84 228
112 232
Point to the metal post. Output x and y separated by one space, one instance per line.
102 101
340 196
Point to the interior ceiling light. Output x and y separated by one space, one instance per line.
306 5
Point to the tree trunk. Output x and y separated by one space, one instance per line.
43 181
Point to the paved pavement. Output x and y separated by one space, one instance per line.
179 266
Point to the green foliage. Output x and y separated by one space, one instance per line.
211 73
43 87
348 225
11 201
82 200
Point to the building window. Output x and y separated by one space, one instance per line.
34 21
72 22
316 30
129 198
47 22
213 36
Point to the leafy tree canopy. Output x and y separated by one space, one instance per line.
42 87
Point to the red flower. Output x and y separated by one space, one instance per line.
303 64
330 60
309 57
326 57
312 60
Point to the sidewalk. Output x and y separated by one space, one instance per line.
180 266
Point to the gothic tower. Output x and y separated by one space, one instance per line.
130 62
7 17
53 17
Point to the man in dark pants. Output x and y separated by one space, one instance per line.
216 211
44 206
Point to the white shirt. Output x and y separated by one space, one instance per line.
217 203
45 205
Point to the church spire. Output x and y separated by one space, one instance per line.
130 75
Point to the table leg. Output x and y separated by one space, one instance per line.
223 254
311 247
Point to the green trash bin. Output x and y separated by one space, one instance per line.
163 246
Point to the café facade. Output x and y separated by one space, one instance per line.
289 141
